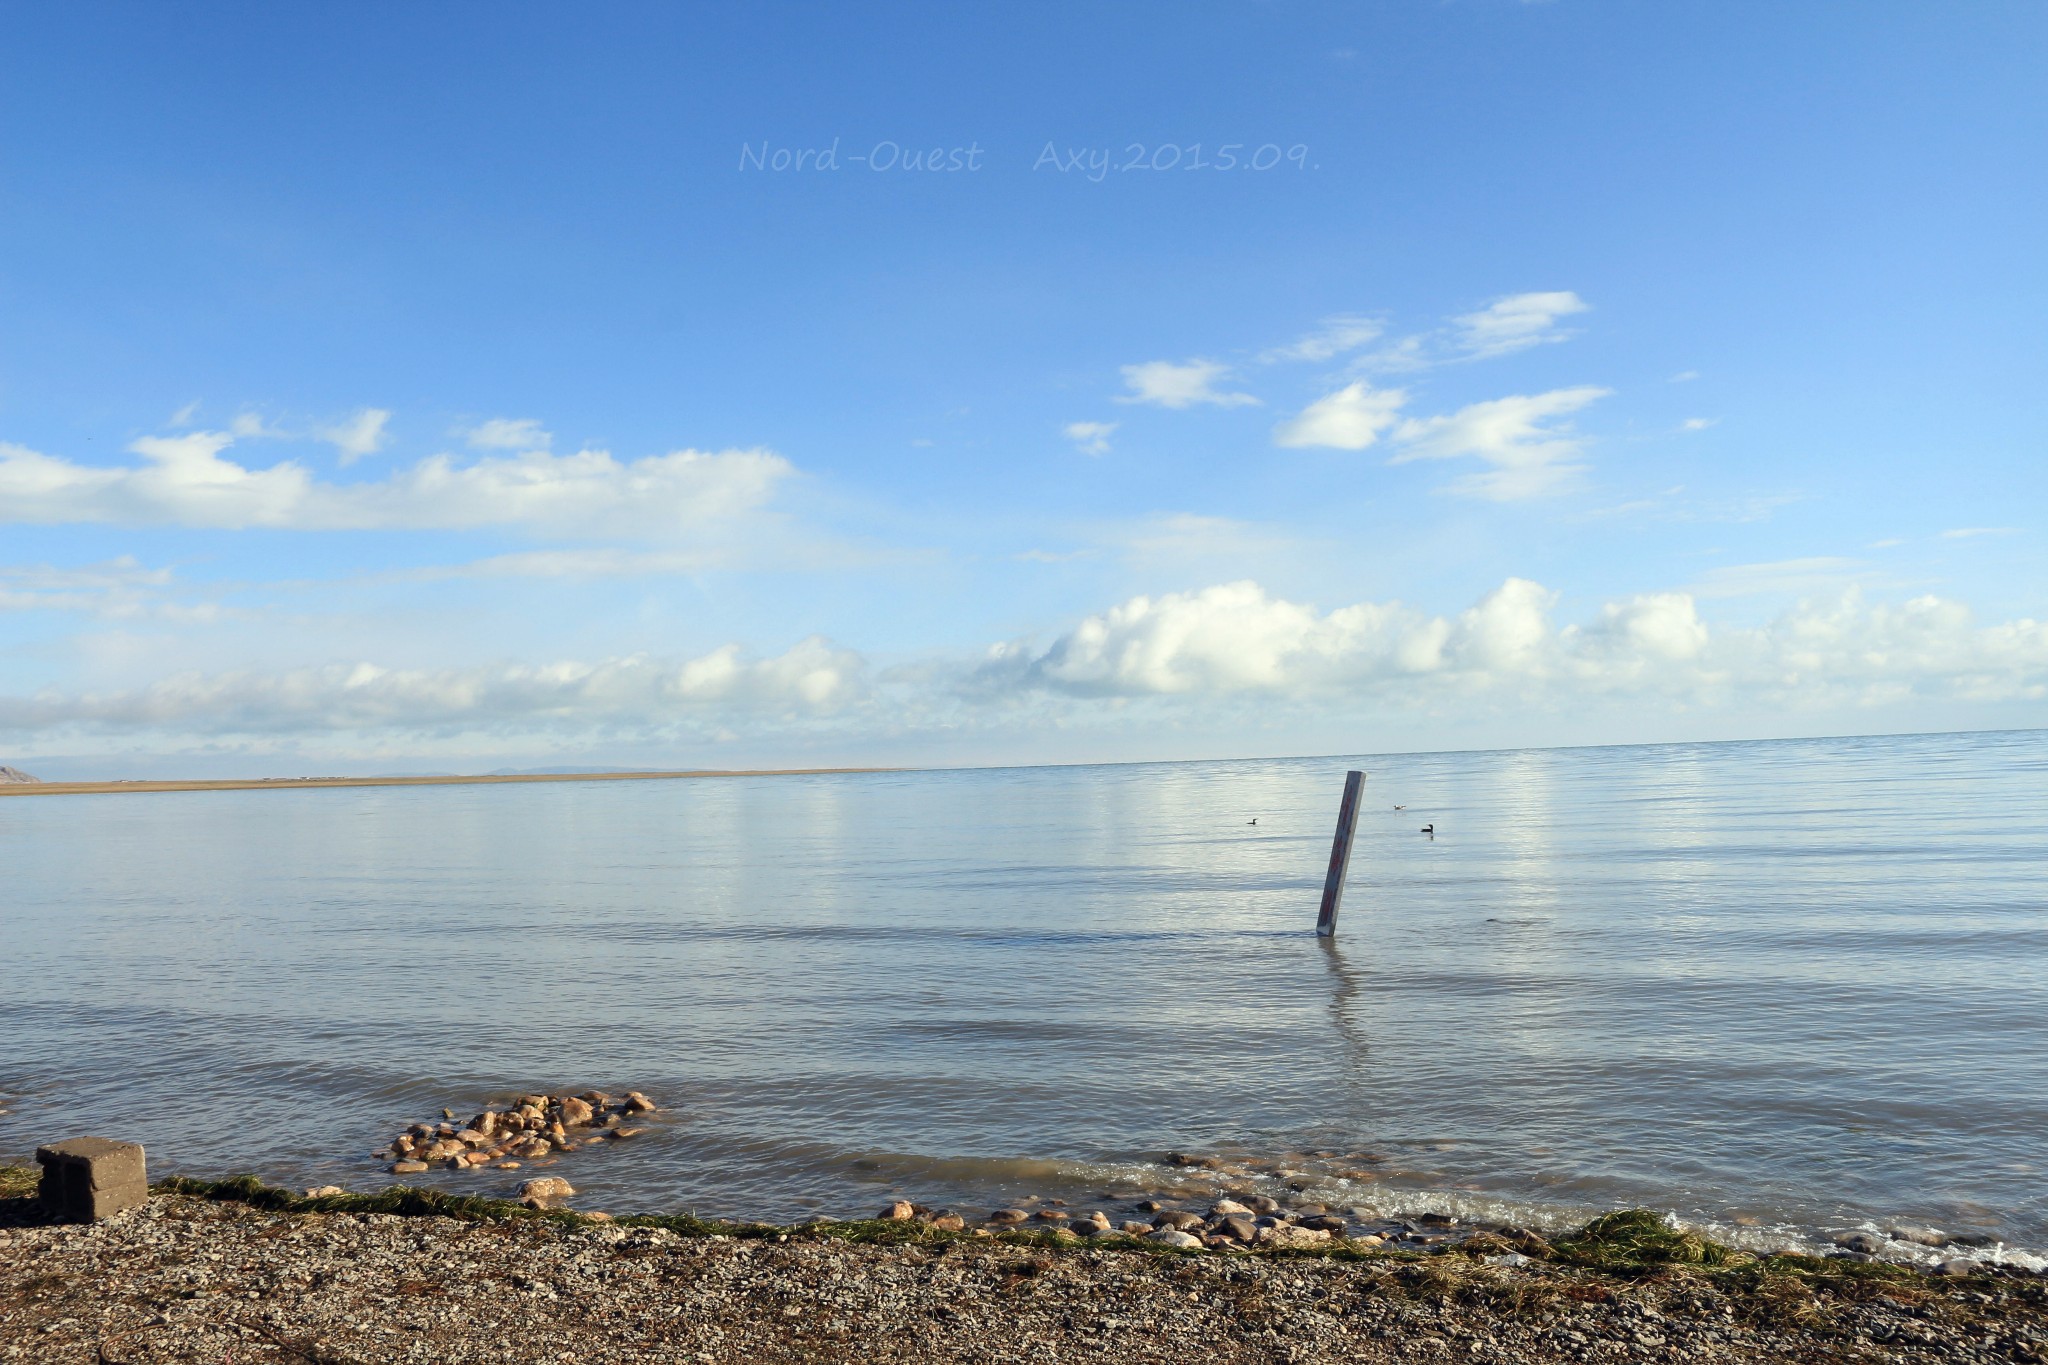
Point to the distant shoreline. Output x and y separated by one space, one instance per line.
243 784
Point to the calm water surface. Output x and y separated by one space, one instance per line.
1777 988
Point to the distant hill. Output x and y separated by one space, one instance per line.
16 775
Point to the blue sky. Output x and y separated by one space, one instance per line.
436 388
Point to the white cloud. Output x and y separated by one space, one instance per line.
1506 325
1515 323
1685 376
1697 423
813 679
1232 648
1971 532
1235 638
1170 385
362 434
1813 574
115 589
1178 543
1092 438
184 481
1332 338
596 562
183 416
1531 454
1352 418
1662 625
1409 353
508 433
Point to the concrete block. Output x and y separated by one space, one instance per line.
88 1178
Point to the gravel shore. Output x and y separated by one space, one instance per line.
186 1278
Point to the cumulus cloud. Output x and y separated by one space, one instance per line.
1532 454
1515 323
813 679
1168 385
1237 638
1185 654
508 433
1653 626
1092 438
1333 338
362 434
1352 418
184 481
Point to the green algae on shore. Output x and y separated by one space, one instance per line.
1625 1244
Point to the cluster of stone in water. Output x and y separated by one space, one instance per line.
1235 1218
1248 1220
533 1126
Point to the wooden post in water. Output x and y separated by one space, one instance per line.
1340 854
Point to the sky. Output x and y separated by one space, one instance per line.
391 388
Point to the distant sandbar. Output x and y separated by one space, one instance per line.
243 784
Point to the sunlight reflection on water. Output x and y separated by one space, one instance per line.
1801 981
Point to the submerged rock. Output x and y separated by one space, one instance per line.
1926 1237
545 1192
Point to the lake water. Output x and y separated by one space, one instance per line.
1774 988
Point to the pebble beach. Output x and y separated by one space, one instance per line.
215 1275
